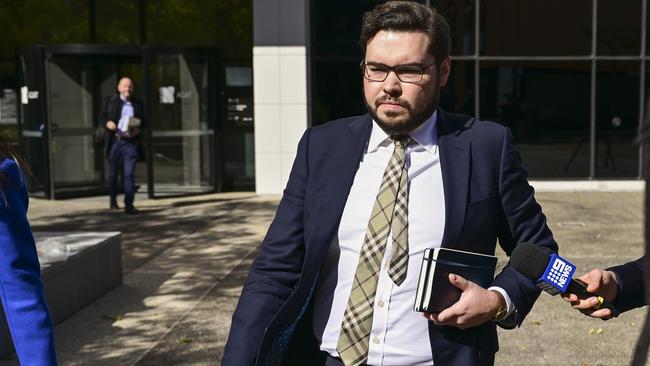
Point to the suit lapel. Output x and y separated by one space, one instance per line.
343 166
455 165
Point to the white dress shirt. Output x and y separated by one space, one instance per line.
399 335
127 112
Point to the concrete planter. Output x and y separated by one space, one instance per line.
90 266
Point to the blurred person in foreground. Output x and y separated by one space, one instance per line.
21 289
336 277
624 285
122 141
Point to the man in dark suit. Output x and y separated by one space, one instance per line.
123 117
624 285
337 273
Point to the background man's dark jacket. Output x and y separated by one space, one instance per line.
112 111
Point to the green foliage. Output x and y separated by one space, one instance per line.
226 24
29 22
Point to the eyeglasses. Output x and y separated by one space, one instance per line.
406 73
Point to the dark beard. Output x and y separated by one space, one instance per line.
418 117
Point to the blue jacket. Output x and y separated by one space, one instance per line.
487 196
21 290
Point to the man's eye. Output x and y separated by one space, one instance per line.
408 70
376 68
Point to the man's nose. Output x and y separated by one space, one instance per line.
392 85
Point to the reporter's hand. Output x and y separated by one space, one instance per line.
111 125
475 306
601 282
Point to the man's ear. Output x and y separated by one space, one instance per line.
445 69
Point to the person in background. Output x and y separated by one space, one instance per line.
21 289
117 115
624 285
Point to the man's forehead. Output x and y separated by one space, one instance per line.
392 48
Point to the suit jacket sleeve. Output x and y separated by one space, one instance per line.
275 272
21 290
523 221
103 116
631 285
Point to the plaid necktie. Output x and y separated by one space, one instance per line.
389 214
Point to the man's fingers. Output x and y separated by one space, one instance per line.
450 313
458 281
432 316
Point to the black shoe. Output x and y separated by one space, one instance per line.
131 211
114 206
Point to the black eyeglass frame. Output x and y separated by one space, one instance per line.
363 66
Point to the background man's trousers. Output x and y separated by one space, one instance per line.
123 154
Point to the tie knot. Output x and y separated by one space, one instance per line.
401 140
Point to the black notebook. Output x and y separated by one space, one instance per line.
435 293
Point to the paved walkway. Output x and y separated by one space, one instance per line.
185 260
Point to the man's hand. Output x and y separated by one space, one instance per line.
111 125
599 282
475 306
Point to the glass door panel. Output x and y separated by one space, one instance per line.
182 135
74 149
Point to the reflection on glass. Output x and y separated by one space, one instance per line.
182 134
336 26
619 27
617 119
458 95
523 28
546 105
71 121
460 16
337 90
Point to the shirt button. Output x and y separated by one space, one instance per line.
375 340
380 303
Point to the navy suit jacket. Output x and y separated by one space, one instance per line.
21 290
487 196
631 285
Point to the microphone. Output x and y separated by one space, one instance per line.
553 273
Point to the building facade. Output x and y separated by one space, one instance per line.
230 85
568 77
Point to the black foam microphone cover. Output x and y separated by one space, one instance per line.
530 260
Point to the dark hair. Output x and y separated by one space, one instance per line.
8 152
408 16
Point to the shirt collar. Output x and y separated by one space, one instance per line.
424 135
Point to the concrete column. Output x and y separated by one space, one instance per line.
280 79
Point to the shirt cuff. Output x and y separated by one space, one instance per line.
510 306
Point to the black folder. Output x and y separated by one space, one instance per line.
435 293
